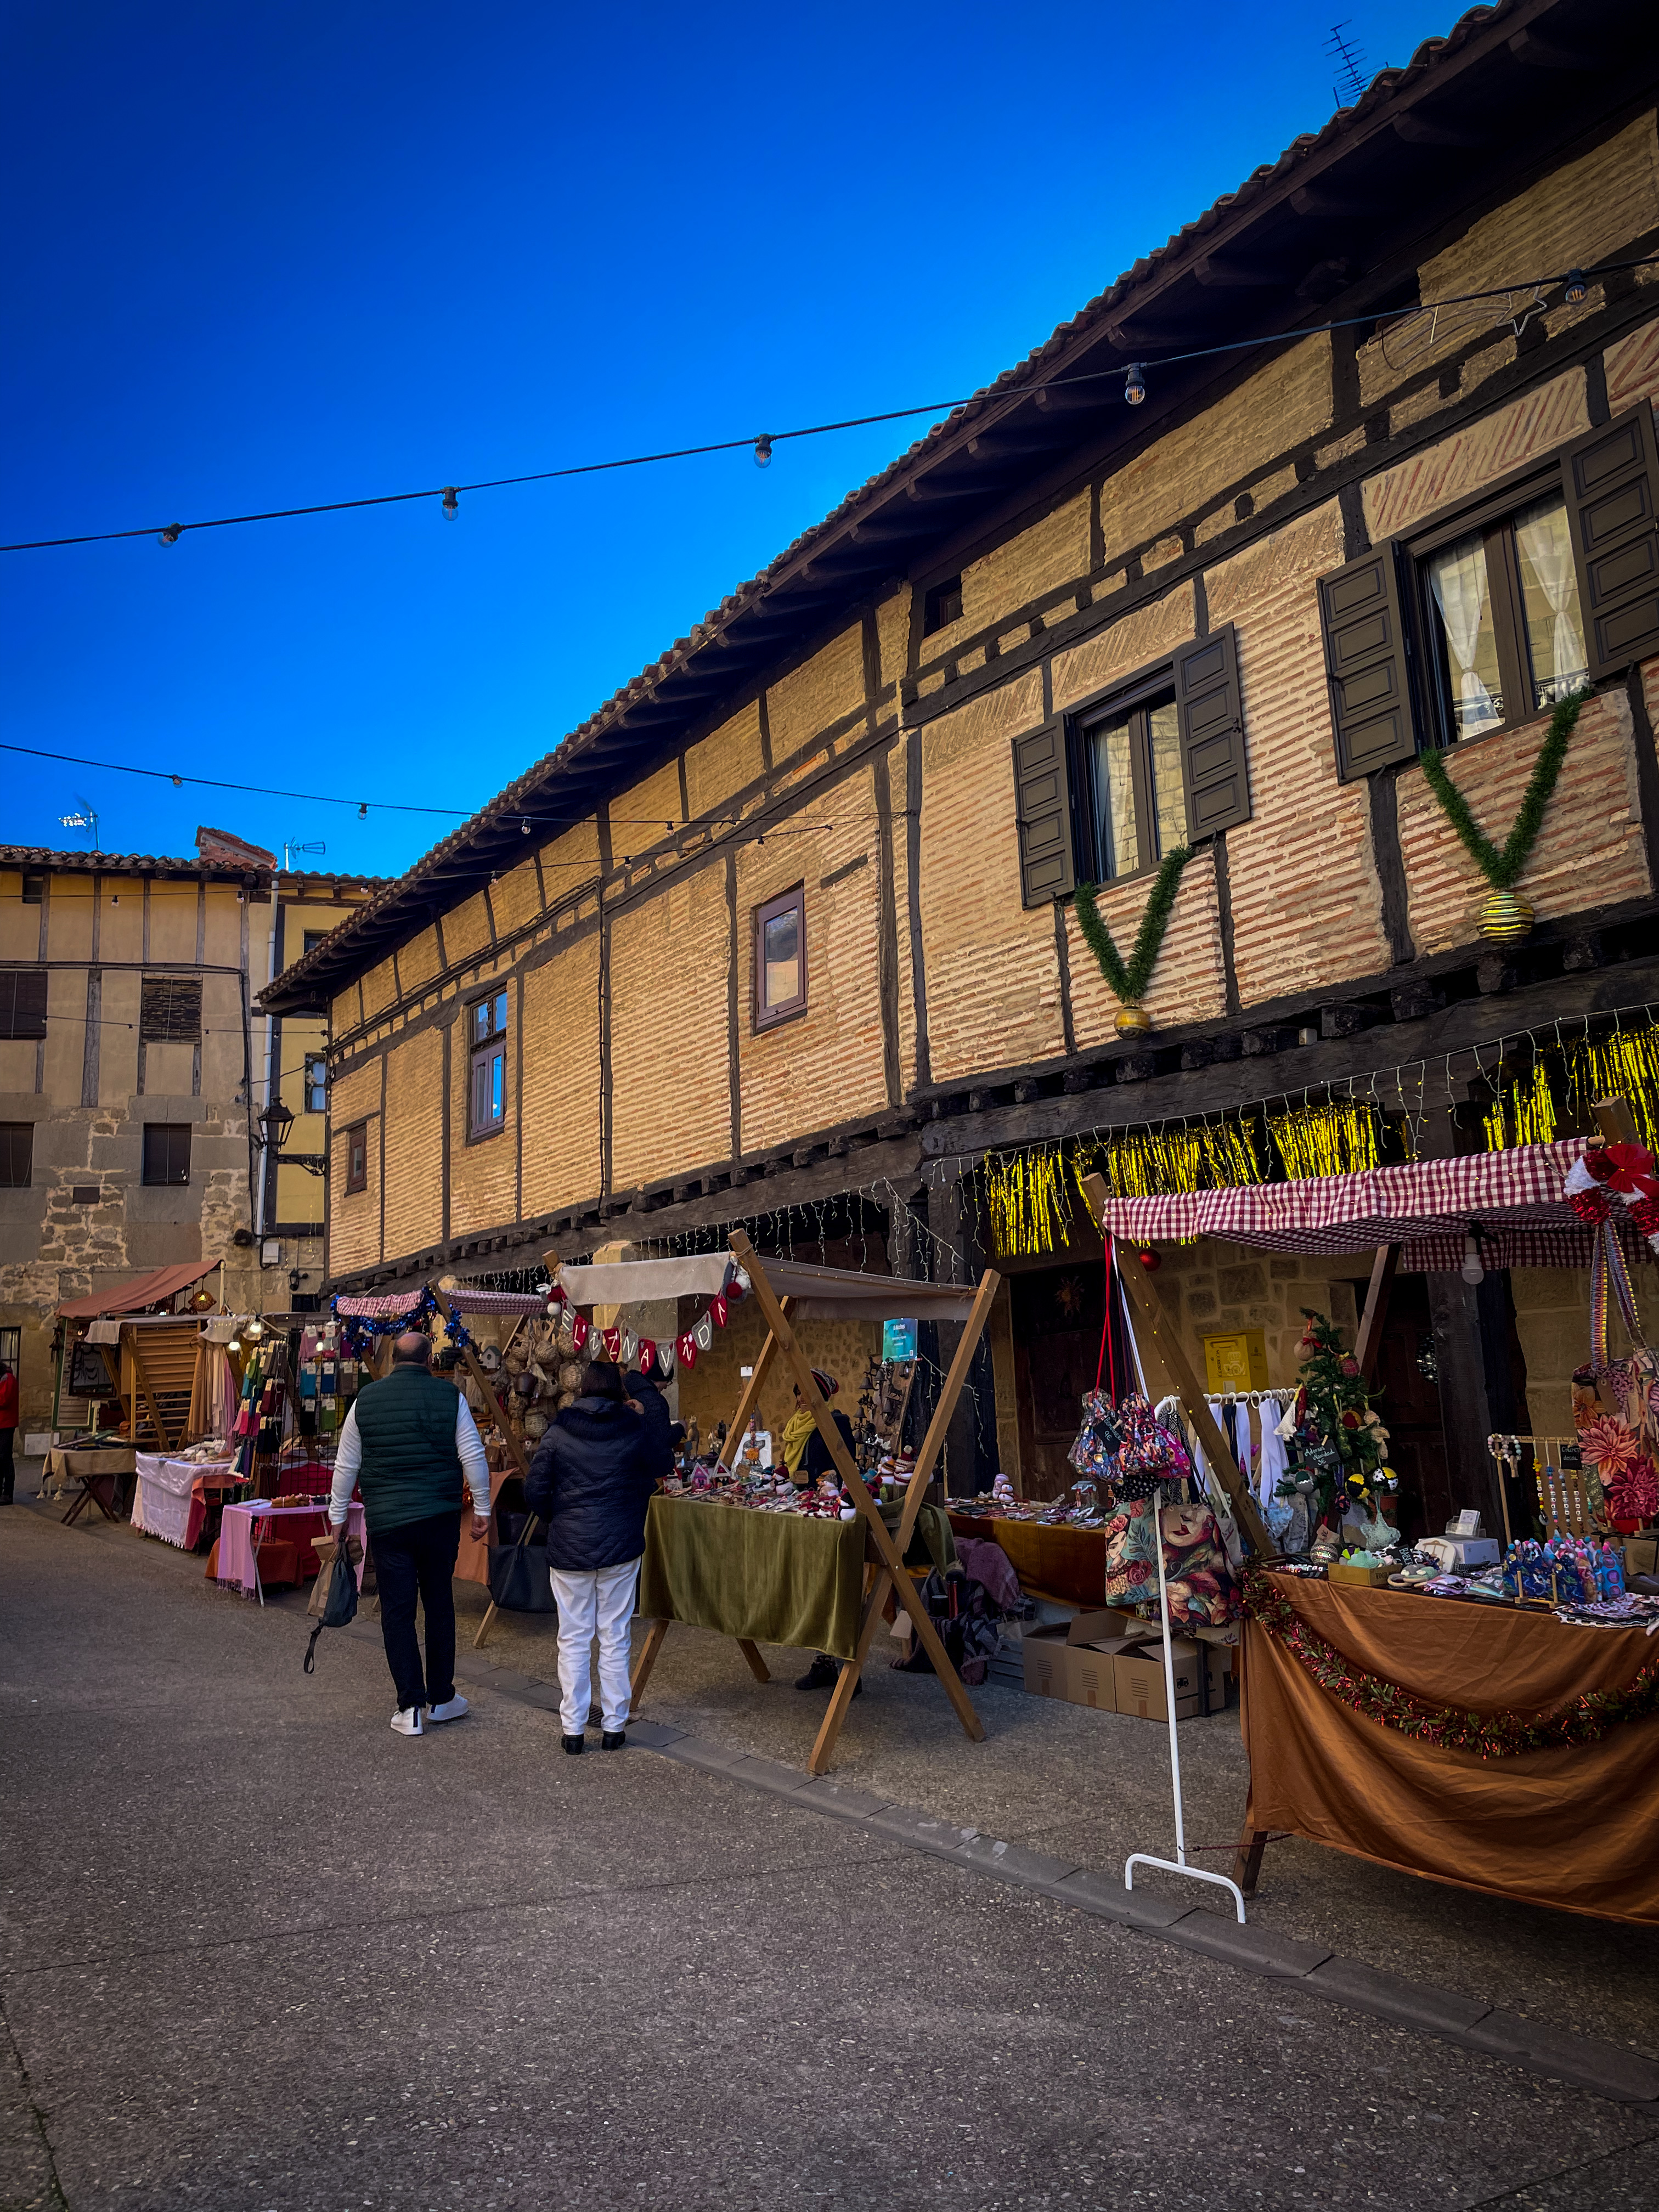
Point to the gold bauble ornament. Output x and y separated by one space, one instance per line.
1133 1022
1505 915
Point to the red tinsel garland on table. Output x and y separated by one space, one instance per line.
1584 1719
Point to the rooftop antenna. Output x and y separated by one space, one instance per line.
289 849
83 818
1349 61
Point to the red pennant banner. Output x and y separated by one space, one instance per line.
647 1356
579 1330
687 1349
717 1307
612 1339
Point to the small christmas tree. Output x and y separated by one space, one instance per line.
1339 1440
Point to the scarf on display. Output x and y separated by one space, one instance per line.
798 1431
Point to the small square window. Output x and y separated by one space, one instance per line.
357 1156
16 1155
22 1002
942 606
316 1083
780 958
1134 805
34 890
167 1152
313 939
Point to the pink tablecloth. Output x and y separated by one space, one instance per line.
168 1501
236 1565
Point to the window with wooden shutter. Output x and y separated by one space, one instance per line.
1211 712
1367 665
1043 807
22 1002
16 1154
1610 480
170 1010
167 1152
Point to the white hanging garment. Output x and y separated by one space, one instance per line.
1273 1461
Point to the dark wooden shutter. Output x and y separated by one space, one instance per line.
1367 665
1610 480
1211 717
1043 803
167 1152
170 1010
22 1002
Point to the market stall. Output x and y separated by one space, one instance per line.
174 1497
1493 1727
812 1567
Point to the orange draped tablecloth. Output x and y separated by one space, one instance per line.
1576 1827
1051 1560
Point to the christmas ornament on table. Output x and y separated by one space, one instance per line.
1337 1440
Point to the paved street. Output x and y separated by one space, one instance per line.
259 1953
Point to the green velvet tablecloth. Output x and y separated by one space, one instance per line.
773 1577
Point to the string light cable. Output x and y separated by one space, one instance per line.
1574 283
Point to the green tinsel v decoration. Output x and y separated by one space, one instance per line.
1129 981
1502 869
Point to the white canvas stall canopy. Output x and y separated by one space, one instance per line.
1513 1201
817 1293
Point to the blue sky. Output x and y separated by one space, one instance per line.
265 254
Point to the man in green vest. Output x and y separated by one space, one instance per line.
406 1442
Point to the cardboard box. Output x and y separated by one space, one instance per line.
1075 1673
1137 1681
1098 1627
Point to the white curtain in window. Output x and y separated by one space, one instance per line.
1457 578
1546 549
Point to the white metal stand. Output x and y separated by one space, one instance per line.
1178 1864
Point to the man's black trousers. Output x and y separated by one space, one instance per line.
419 1558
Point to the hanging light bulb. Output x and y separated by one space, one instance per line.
1577 291
1135 385
763 452
452 503
362 812
1473 1270
524 826
170 535
235 1344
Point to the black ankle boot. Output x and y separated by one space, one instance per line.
822 1674
573 1744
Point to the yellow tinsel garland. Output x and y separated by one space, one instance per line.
1627 1062
1335 1138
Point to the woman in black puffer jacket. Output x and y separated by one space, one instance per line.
592 1480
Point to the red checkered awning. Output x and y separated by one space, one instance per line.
1514 1200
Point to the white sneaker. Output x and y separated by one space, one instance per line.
407 1720
451 1710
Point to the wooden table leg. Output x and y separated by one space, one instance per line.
1252 1841
757 1666
646 1662
847 1680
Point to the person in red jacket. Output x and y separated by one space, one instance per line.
8 1430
